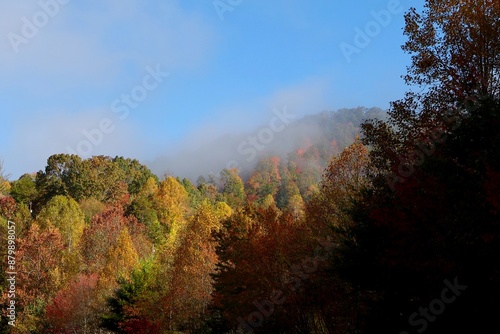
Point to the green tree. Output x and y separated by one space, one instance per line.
98 177
23 219
128 307
143 207
233 188
267 202
61 177
24 189
209 191
195 196
265 179
287 189
105 180
135 175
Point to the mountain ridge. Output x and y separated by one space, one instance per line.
243 150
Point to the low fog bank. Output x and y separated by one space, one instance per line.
279 137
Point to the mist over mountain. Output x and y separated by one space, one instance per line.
327 131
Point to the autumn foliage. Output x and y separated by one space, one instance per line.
346 234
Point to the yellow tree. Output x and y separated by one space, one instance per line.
149 188
233 188
171 202
121 259
91 207
4 183
223 210
267 201
65 214
296 206
194 263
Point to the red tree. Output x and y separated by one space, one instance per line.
71 310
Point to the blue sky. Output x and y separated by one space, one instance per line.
63 64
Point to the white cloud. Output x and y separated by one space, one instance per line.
309 96
91 44
216 141
306 97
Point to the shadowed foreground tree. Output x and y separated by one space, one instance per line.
430 217
441 223
329 215
455 50
266 274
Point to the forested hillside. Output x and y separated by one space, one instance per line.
115 244
393 231
328 131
